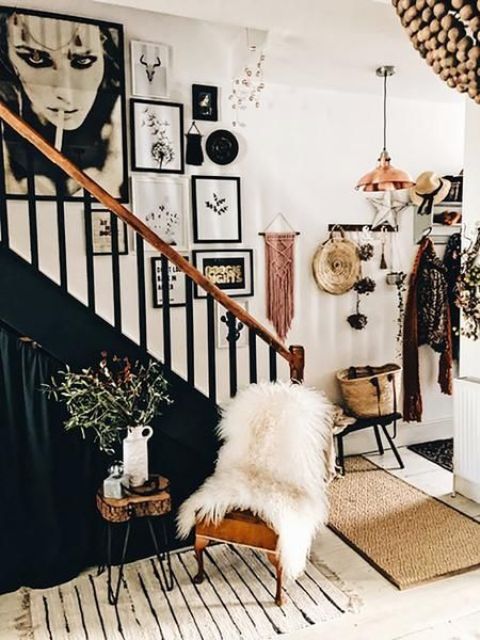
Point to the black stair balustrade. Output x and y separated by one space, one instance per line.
234 328
3 200
89 261
272 364
212 372
189 330
116 281
32 206
142 313
167 337
252 354
61 236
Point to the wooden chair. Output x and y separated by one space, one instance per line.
242 528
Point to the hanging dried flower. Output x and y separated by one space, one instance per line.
365 286
366 251
468 290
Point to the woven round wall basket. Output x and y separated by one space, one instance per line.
336 264
371 391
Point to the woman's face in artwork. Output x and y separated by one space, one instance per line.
60 64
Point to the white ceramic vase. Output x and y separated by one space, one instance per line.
135 454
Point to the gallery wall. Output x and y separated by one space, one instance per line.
301 153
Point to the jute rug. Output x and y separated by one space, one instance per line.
438 451
408 536
236 601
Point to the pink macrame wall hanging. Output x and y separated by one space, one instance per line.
280 273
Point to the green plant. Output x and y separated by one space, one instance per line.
110 397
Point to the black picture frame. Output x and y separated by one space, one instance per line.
200 94
156 270
215 258
200 213
178 145
86 152
121 226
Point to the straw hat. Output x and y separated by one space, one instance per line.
336 265
429 186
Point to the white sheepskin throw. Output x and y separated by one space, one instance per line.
274 460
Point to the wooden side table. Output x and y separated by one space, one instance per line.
156 504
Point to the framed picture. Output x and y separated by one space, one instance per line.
157 136
204 102
162 204
230 269
176 283
150 68
102 233
222 329
65 76
216 209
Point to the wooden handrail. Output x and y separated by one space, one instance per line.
38 141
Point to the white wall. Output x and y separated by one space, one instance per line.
301 154
470 350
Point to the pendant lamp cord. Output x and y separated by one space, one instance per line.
385 110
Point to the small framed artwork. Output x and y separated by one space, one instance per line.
216 209
176 283
230 269
157 136
222 329
162 204
150 67
204 102
102 233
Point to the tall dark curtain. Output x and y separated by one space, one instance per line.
49 530
49 527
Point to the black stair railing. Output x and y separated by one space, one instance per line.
234 317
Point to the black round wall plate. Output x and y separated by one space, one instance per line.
222 146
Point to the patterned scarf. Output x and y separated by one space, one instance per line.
279 259
427 321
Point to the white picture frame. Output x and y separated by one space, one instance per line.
222 329
102 234
150 69
162 204
176 280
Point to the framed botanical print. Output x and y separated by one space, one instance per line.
216 209
157 136
65 76
150 64
176 283
222 328
230 269
102 233
162 204
204 102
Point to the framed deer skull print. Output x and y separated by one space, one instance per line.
150 68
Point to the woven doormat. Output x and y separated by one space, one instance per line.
408 536
235 601
438 451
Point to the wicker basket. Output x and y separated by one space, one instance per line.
371 391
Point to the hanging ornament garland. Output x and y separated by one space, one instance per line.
469 290
447 35
247 87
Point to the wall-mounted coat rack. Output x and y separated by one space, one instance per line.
362 227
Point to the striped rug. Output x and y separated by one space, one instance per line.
235 601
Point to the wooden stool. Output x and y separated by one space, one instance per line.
243 528
122 511
375 423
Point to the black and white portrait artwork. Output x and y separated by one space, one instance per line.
102 233
65 77
150 68
176 283
162 204
157 136
216 209
204 102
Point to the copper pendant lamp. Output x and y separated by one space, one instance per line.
385 177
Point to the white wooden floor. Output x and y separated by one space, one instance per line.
445 610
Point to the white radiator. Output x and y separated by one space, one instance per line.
466 463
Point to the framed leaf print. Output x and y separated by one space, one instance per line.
157 136
230 269
162 204
216 208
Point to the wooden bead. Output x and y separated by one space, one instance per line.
474 53
472 91
436 67
447 22
404 4
466 12
445 74
451 46
420 5
465 43
454 34
427 15
409 15
439 10
462 56
435 26
442 36
458 4
431 3
474 24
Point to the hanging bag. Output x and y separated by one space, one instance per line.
336 263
